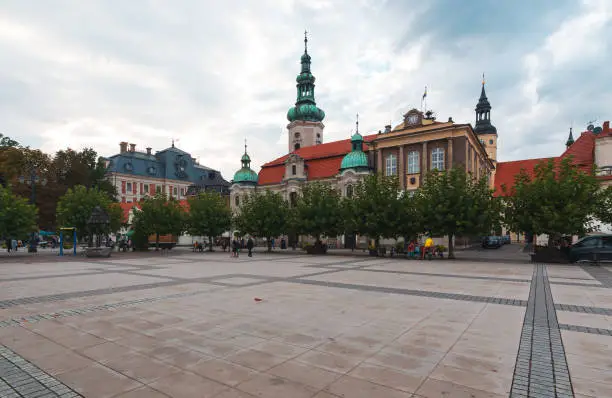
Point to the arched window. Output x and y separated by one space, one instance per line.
297 146
437 159
413 162
391 165
293 199
297 135
349 191
237 200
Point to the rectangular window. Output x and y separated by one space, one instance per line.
391 165
158 189
182 191
437 159
146 188
413 162
293 170
129 187
175 191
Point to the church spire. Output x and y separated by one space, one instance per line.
570 139
483 113
305 105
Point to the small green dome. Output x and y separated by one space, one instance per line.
354 160
245 158
245 175
307 112
356 137
305 77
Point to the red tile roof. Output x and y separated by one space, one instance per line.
506 172
322 161
582 152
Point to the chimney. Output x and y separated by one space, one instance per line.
388 128
123 147
606 128
450 119
132 147
148 150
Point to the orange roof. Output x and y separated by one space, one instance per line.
322 161
506 172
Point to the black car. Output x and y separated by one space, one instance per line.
593 248
494 242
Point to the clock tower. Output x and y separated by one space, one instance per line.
305 126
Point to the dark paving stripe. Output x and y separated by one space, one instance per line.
602 274
489 278
541 367
53 276
20 378
87 293
583 309
585 329
411 292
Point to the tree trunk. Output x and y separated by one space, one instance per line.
269 243
157 241
451 247
210 244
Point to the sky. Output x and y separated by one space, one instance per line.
211 74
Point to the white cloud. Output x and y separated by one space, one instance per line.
213 73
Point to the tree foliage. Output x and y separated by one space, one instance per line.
208 215
7 142
376 208
264 214
317 211
17 216
75 207
559 199
454 203
159 216
603 210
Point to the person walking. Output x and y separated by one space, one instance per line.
250 246
429 245
9 245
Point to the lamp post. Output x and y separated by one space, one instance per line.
32 181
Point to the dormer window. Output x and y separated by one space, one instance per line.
293 170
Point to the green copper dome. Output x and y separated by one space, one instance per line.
356 159
308 112
245 175
305 106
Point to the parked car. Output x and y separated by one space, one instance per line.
494 242
592 248
506 239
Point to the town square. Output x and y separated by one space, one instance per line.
319 199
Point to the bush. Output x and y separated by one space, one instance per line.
67 246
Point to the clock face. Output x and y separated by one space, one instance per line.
413 119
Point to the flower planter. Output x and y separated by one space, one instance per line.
98 251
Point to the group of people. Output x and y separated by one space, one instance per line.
239 244
415 250
12 245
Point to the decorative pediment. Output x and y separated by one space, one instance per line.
413 118
293 158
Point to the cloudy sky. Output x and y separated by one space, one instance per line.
210 73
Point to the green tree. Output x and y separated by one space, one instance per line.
159 216
209 216
560 199
17 217
75 207
376 207
318 212
6 142
603 210
409 220
263 214
454 203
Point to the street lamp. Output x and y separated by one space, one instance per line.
32 181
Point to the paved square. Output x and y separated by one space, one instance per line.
286 325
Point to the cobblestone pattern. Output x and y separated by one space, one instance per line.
80 311
87 293
586 329
541 367
412 292
21 379
602 274
583 309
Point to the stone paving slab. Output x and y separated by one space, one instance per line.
307 326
